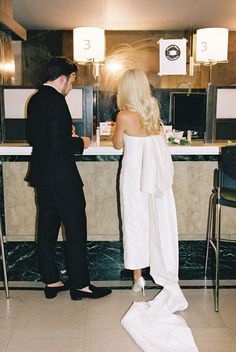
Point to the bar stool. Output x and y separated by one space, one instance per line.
3 259
223 194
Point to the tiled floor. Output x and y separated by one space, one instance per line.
30 323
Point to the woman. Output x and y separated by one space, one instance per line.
149 222
138 129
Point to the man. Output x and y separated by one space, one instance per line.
58 185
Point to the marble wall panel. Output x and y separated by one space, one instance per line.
192 187
20 207
100 192
106 261
20 210
180 188
228 222
200 177
7 71
88 173
140 49
107 198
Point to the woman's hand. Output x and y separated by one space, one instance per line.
86 141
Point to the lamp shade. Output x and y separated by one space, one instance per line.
212 45
89 44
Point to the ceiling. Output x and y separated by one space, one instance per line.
125 14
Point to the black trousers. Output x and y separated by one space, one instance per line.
66 206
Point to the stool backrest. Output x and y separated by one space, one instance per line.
228 168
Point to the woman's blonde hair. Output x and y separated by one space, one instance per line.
134 94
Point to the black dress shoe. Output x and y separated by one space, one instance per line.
96 292
51 292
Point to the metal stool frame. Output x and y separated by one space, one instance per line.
3 259
224 180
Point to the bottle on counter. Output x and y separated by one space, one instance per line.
189 136
98 136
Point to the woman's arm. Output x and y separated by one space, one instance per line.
117 139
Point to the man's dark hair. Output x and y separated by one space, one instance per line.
58 66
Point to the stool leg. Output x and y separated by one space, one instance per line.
4 267
218 216
209 229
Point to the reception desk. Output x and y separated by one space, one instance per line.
99 167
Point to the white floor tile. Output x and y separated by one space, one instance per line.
7 326
29 322
45 345
214 340
109 340
3 344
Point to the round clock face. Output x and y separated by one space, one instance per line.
172 52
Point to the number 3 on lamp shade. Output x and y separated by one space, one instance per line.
212 45
89 44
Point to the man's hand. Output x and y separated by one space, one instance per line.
86 142
74 134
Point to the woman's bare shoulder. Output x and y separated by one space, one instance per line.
121 115
126 115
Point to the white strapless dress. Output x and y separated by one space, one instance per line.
150 239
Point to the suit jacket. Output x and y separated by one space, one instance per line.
48 130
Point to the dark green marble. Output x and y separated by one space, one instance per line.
106 261
26 158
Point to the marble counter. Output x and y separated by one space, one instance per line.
105 148
99 167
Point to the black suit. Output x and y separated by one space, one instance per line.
59 187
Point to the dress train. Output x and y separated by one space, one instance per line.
156 325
